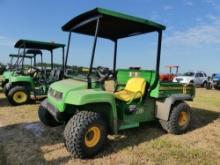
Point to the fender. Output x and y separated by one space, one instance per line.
163 107
21 80
91 96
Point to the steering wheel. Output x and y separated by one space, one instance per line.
103 73
37 69
33 71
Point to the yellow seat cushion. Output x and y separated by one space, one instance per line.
134 89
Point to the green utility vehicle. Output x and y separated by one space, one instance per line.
113 100
35 82
15 66
9 70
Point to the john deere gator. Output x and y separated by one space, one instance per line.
23 85
16 66
113 99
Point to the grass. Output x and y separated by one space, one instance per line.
24 140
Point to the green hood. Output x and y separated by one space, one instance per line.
65 86
75 92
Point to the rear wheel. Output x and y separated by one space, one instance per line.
85 134
18 95
179 120
46 118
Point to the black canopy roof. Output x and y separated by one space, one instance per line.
113 25
37 44
16 55
33 51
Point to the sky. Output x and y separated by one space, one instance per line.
191 39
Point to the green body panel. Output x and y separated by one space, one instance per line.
124 75
88 96
6 75
145 111
75 93
22 79
166 89
66 87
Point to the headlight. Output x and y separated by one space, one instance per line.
57 95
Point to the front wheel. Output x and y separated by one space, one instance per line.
85 134
179 120
18 95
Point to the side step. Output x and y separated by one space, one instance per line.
126 125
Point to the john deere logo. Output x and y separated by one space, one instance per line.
140 110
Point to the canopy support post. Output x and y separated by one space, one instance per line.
157 61
51 59
68 48
24 53
93 54
63 60
115 57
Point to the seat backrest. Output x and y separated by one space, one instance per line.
52 74
136 84
57 74
110 85
123 75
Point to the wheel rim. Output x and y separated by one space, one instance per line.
92 137
20 97
183 118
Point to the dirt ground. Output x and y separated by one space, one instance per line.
24 140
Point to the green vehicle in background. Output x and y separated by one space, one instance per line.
113 99
34 82
15 66
9 70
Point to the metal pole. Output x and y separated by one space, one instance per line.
115 57
17 61
63 66
93 54
158 53
68 48
41 59
51 59
23 57
11 61
158 61
34 59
